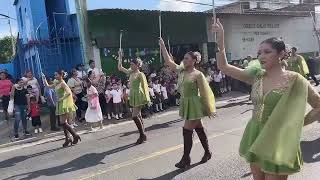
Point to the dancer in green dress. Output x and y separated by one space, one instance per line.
65 107
196 102
271 141
139 93
297 63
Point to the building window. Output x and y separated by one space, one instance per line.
20 17
245 5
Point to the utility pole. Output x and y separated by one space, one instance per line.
12 38
82 16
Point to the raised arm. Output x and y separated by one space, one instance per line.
120 67
222 62
45 82
167 57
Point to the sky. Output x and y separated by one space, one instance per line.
6 6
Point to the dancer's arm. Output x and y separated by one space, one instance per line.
167 57
45 82
120 67
314 101
222 62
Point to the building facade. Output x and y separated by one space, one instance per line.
48 37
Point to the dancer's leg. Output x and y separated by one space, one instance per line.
256 172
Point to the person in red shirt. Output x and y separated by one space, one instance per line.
35 115
5 89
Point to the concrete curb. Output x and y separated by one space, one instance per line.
51 137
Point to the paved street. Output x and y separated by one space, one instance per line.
110 154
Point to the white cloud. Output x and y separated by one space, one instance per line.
178 6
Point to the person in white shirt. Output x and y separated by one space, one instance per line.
217 79
109 101
82 74
153 74
164 93
30 80
157 91
96 71
152 97
116 94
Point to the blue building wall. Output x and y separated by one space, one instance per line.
55 45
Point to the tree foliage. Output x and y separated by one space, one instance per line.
5 49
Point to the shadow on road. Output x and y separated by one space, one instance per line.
154 127
173 174
240 103
311 151
13 161
82 162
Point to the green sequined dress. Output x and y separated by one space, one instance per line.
66 106
139 90
197 99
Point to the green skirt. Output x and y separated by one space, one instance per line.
61 109
250 134
191 108
137 98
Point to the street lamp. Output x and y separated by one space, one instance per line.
12 39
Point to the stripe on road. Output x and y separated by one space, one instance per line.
153 155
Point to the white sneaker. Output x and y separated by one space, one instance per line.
72 126
75 125
120 116
36 131
40 130
109 117
117 117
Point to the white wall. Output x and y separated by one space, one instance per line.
244 33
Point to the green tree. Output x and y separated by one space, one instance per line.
5 49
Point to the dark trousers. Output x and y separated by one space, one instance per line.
36 121
217 89
80 104
102 101
53 117
313 78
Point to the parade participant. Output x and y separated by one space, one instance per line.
139 93
270 142
297 63
94 113
65 107
193 105
19 96
5 89
76 85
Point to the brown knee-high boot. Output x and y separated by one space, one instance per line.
67 138
139 125
75 136
205 144
187 141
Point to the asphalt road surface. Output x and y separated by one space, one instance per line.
111 154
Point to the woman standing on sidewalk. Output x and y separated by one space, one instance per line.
5 89
139 93
193 106
76 86
65 107
271 141
19 95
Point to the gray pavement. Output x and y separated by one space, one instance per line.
110 154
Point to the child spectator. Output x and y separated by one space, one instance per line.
157 91
108 101
152 97
126 95
116 94
164 93
34 110
93 113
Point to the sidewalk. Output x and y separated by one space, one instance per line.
6 128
